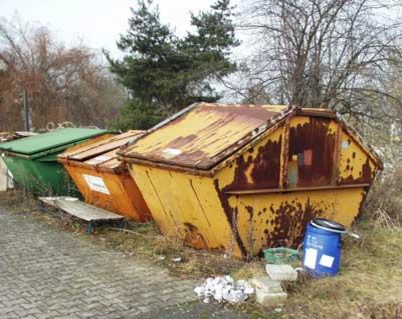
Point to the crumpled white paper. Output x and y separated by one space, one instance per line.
224 289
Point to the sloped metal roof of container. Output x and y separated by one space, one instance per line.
101 153
200 135
50 140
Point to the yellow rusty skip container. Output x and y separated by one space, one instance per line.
102 179
243 178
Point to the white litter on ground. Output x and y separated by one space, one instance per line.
224 289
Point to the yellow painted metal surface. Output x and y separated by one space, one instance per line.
279 220
266 193
354 164
186 206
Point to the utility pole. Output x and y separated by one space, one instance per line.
26 111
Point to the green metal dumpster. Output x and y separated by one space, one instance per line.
33 160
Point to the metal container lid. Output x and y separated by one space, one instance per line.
329 225
51 140
204 134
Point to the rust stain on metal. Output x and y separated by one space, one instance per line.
366 175
265 168
289 223
181 141
250 211
231 216
337 154
193 237
313 136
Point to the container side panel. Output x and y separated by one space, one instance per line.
311 151
276 220
91 197
117 194
41 178
185 206
121 202
355 166
210 205
133 195
150 193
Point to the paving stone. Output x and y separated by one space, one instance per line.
281 272
271 299
47 273
267 284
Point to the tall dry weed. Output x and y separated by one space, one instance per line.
384 202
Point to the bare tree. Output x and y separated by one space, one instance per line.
63 84
324 53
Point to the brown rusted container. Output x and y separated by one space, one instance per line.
243 178
102 179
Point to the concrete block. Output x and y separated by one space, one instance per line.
281 272
271 299
267 284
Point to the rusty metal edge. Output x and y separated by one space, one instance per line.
337 155
366 193
316 112
356 136
111 139
96 168
295 189
164 165
283 175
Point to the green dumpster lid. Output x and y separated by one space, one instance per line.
50 140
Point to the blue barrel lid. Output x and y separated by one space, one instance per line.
329 225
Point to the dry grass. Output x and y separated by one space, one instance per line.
368 286
18 201
145 241
384 202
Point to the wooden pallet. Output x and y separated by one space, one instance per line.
77 208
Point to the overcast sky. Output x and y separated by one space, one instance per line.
97 22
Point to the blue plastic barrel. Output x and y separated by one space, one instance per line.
322 247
